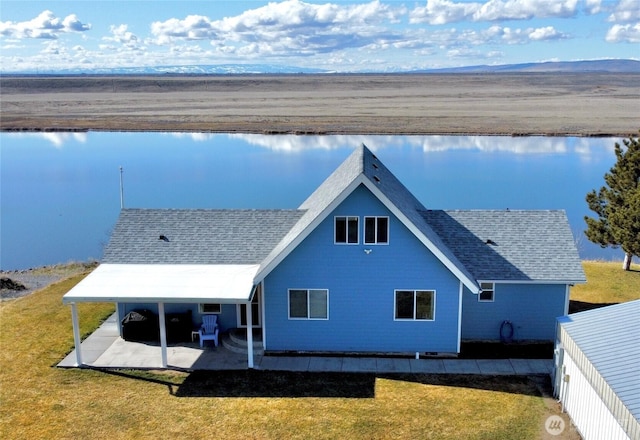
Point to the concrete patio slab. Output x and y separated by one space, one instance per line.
359 365
461 366
288 363
393 365
106 349
427 366
321 364
495 366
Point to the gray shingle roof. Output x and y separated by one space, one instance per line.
528 245
523 245
197 236
608 337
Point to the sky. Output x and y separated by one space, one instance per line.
341 36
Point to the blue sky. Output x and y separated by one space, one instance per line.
379 35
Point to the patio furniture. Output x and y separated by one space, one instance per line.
178 326
140 325
209 329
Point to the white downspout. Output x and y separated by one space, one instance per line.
163 335
76 334
460 292
249 336
263 317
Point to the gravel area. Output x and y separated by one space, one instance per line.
40 277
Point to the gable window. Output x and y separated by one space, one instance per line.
346 230
209 308
376 230
308 304
415 305
487 292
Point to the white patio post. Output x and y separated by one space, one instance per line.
249 335
76 333
163 335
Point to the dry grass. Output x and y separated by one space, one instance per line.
586 104
606 284
40 401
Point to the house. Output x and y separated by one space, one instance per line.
361 266
596 376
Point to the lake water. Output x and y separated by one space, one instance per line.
61 192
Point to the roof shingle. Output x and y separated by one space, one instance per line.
197 236
510 245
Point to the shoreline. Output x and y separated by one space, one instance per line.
37 278
315 133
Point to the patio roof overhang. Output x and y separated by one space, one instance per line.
166 283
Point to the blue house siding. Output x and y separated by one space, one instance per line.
530 308
361 290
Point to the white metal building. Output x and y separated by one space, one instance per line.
597 371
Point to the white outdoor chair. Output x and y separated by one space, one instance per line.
209 329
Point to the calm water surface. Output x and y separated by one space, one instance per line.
60 193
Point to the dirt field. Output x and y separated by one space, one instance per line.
503 104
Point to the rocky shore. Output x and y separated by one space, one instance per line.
19 283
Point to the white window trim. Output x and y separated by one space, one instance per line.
375 232
308 318
395 302
202 312
346 243
493 290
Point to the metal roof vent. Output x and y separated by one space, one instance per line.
491 242
377 179
163 238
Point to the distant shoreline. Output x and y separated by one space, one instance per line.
505 104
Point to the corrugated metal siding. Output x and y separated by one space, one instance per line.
361 291
590 414
603 345
532 309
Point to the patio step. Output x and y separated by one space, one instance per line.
236 341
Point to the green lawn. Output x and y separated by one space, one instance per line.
38 400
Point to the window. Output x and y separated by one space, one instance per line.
376 230
308 304
210 308
415 305
487 291
346 230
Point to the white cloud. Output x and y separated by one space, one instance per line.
625 11
525 9
629 33
44 26
121 35
437 12
545 33
593 6
290 27
443 12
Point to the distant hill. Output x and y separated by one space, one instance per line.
613 66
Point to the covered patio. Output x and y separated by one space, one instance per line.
159 284
104 349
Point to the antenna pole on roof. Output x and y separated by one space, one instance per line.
121 190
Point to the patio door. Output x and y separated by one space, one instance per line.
255 311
